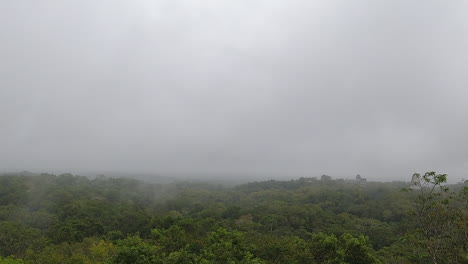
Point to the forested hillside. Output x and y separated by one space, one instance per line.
73 219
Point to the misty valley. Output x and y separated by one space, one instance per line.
198 131
58 219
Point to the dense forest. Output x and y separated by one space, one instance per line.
46 218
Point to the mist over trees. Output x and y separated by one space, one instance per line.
191 108
48 218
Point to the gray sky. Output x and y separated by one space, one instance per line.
235 87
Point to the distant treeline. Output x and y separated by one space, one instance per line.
68 219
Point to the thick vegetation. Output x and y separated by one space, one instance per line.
72 219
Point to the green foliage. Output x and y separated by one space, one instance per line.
66 219
16 238
326 249
441 224
344 249
102 251
357 250
226 247
10 261
133 250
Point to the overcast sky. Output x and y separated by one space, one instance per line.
221 87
